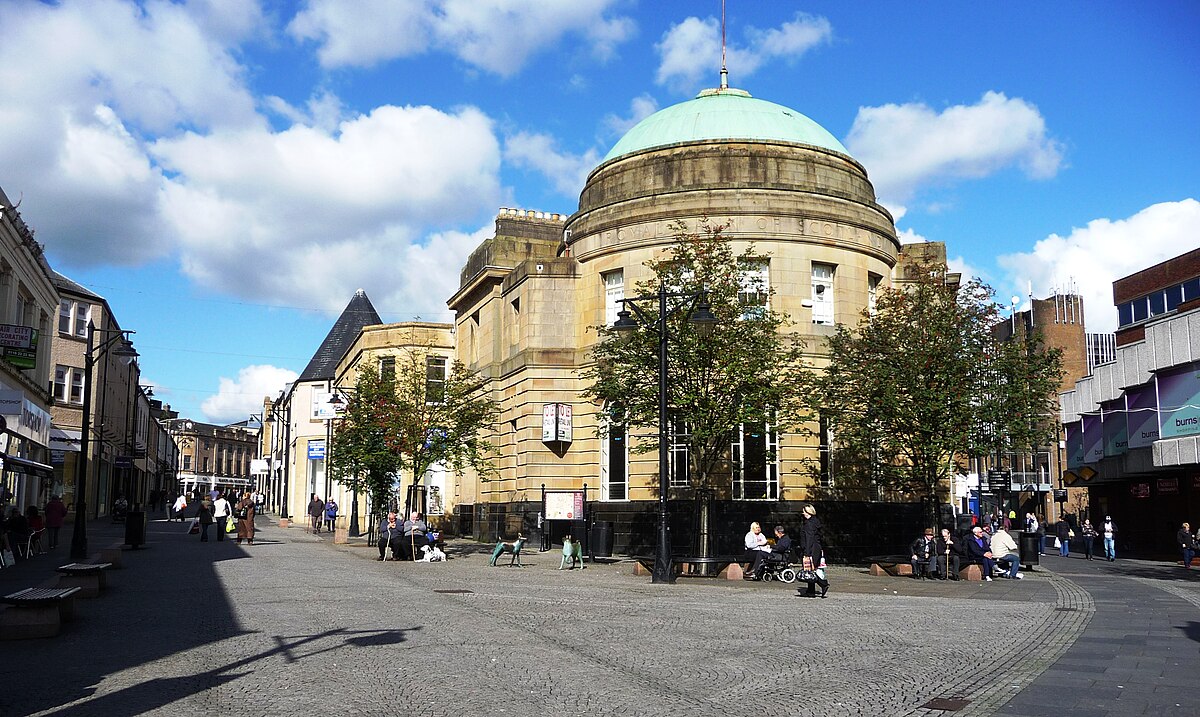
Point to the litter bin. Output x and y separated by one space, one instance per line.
601 539
1030 547
135 528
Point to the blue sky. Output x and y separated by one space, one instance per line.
227 173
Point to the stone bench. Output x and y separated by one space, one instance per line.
36 612
728 567
896 567
89 578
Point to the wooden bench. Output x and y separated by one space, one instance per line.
36 612
88 578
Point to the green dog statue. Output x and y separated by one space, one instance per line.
572 551
514 548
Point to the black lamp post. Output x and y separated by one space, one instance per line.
697 310
79 547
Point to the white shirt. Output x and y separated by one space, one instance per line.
1109 529
180 503
220 508
757 541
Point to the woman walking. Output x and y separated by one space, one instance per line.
205 515
814 553
244 513
1089 538
1063 535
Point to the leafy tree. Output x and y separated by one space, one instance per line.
745 370
923 381
411 420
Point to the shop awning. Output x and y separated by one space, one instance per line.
62 439
26 466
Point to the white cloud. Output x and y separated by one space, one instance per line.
535 151
306 215
1090 258
498 36
640 108
236 399
83 84
906 148
690 51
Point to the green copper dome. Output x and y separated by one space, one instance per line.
723 114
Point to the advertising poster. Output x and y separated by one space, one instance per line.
549 421
1179 402
1115 427
1093 438
1074 444
1141 406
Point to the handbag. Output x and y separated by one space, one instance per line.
6 558
1070 533
1057 544
230 525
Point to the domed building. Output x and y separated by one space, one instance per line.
528 295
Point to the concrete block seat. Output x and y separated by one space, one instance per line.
88 578
36 612
901 566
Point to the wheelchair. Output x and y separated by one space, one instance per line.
778 566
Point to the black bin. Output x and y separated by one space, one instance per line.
135 528
601 539
1030 547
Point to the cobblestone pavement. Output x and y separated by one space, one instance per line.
293 623
1139 654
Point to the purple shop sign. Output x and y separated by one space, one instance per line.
1093 438
1179 402
1116 427
1141 403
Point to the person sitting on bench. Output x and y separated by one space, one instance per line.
390 536
949 550
923 552
979 551
1006 555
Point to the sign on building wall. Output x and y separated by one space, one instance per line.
1141 404
23 357
322 409
1093 438
564 505
1179 402
13 336
557 423
1074 444
1115 427
26 418
316 450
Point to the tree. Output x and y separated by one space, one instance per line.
746 371
923 381
424 414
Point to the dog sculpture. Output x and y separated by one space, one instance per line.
572 551
433 554
514 548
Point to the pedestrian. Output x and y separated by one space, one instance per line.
179 506
205 515
813 552
222 512
56 512
316 512
260 502
1109 530
244 513
331 511
1187 542
1063 535
1089 538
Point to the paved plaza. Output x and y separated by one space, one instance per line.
296 625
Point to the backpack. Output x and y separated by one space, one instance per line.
242 513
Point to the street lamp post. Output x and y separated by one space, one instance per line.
697 310
79 546
353 530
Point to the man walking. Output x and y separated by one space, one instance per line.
1187 543
1109 531
316 513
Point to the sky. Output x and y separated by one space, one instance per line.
226 173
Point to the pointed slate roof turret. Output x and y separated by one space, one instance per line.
357 314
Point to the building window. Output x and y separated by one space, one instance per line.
822 294
435 379
64 317
755 463
681 443
872 292
825 449
60 382
187 461
755 290
76 385
614 466
387 368
206 465
614 291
